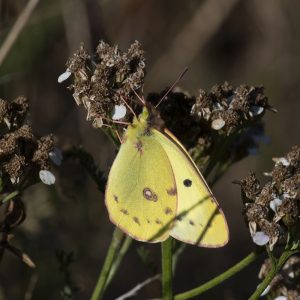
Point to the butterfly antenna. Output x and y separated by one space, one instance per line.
172 87
129 107
138 96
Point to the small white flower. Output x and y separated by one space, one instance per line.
275 203
281 298
266 291
281 160
256 110
47 177
64 76
217 124
119 112
260 238
56 156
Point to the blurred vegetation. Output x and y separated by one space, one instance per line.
253 42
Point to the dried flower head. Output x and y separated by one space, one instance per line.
274 208
21 152
287 282
105 80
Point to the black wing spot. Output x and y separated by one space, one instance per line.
116 198
187 182
149 194
191 222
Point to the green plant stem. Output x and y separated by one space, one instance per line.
10 196
166 256
115 266
110 256
220 278
275 269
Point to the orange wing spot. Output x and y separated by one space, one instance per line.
168 211
172 191
124 211
158 221
136 220
149 194
116 198
139 147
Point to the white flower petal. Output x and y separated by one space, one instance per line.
217 124
64 76
56 156
47 177
266 291
275 203
260 238
119 112
281 160
256 110
281 298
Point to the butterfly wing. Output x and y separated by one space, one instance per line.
140 194
200 221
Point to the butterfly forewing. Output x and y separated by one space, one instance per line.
140 194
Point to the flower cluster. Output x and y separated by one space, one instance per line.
286 284
272 211
21 152
226 108
105 80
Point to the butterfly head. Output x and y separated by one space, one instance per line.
142 125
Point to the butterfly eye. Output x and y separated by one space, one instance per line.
187 182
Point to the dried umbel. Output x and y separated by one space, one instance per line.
272 211
105 80
24 160
287 282
22 154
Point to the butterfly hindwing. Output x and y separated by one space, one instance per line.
199 221
140 192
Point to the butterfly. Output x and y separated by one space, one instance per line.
155 190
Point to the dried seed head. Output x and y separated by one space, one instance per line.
275 210
21 152
106 79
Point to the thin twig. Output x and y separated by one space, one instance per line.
17 28
138 287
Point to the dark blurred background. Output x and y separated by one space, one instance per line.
253 42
